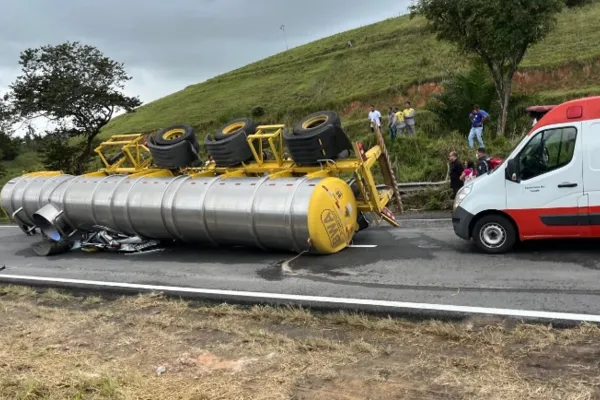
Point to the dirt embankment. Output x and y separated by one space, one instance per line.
532 80
56 346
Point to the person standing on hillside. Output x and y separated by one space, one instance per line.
392 121
456 170
409 118
375 119
400 125
477 117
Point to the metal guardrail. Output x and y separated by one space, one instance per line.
418 186
412 187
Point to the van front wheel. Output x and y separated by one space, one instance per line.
494 234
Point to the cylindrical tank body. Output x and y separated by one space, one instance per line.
280 214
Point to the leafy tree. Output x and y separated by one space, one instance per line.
58 155
9 146
32 140
462 90
7 117
499 32
74 85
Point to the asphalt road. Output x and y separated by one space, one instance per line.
422 262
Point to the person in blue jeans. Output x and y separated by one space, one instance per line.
477 117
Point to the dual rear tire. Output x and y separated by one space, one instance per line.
228 146
313 139
317 137
175 147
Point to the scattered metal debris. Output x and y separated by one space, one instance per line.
49 247
99 238
103 238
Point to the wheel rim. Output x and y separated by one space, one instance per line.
314 122
492 235
173 134
232 128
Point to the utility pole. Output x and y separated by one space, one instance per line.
282 27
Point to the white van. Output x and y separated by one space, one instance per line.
549 187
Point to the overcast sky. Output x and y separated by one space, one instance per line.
167 45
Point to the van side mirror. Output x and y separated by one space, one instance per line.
512 171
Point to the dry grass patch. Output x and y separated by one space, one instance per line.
60 346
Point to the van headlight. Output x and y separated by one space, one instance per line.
461 195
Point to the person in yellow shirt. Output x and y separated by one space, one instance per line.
399 122
409 118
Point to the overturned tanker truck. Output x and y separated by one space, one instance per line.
252 192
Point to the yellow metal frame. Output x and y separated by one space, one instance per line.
138 162
136 158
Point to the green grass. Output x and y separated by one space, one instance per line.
25 162
386 59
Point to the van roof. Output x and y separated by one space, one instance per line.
540 109
584 109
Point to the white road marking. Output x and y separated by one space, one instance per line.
315 299
8 226
359 246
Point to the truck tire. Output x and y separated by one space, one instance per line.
175 134
179 155
230 151
324 142
494 234
311 123
245 125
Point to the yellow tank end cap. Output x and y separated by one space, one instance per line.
331 216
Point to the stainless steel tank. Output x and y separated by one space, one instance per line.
281 214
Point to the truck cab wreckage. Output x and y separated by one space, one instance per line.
154 189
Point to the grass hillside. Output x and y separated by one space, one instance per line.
388 62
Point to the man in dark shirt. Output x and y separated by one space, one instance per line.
456 170
477 117
483 160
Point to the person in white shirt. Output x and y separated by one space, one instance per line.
375 119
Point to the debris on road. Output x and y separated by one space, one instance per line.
103 238
100 238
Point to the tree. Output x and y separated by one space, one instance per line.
462 90
9 146
74 85
499 32
7 115
57 154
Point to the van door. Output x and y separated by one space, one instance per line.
591 173
545 201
